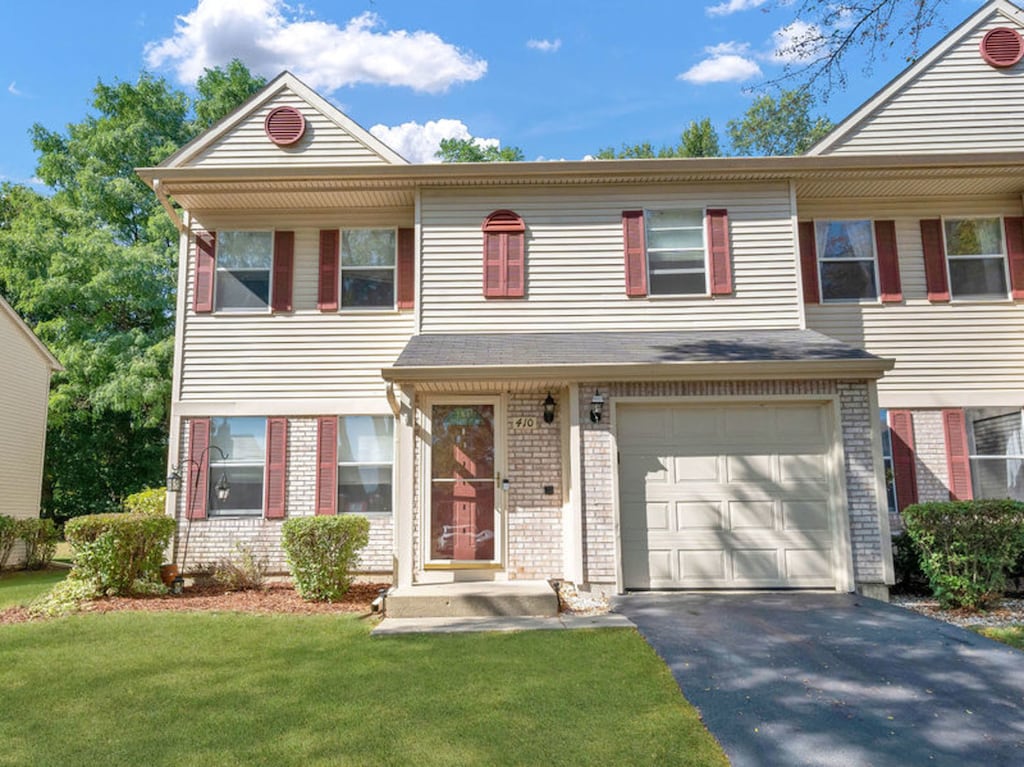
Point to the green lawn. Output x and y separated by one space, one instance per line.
236 689
1011 635
21 587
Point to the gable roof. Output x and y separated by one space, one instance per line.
18 322
866 111
284 83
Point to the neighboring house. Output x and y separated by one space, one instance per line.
25 368
626 374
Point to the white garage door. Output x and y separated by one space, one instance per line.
725 497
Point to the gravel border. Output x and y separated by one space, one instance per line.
1007 612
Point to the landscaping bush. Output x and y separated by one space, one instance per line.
242 572
322 552
8 537
65 598
152 500
40 537
906 559
122 553
967 547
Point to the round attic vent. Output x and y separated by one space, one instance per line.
1002 47
285 125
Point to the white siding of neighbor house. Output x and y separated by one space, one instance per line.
575 273
958 104
953 354
24 394
291 356
247 145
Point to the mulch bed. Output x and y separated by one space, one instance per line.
275 598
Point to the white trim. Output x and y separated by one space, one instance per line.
957 398
38 345
798 266
404 552
296 408
417 239
881 496
572 516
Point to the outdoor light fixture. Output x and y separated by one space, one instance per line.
223 488
596 406
174 481
549 409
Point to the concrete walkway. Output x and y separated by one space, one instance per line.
834 679
390 626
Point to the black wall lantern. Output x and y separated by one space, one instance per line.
596 406
549 409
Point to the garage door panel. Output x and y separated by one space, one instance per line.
802 467
806 565
696 468
752 565
702 565
750 468
805 514
699 515
758 515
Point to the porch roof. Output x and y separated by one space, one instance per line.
631 355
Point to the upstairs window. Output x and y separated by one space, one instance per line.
846 260
676 263
368 258
243 266
976 257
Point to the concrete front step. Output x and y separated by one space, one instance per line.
472 599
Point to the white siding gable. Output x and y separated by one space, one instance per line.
950 101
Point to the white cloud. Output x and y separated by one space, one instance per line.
269 36
733 6
13 89
419 143
727 62
786 37
545 46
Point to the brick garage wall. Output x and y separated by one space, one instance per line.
598 453
534 518
215 539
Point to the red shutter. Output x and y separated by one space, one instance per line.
198 468
406 291
515 264
1014 227
284 261
495 274
957 459
901 433
721 261
202 287
934 260
327 296
809 262
327 465
888 262
636 252
277 468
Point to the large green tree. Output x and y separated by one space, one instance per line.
92 266
699 139
778 126
467 150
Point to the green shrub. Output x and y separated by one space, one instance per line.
152 500
65 598
122 553
242 572
967 547
40 537
8 537
906 560
322 552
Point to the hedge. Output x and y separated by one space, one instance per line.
122 553
322 552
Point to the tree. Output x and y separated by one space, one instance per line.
826 32
698 140
92 267
780 127
468 150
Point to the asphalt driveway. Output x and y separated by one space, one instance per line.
788 678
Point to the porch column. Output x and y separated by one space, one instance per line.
404 545
572 519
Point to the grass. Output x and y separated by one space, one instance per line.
1011 635
21 587
237 689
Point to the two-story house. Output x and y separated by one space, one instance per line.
625 374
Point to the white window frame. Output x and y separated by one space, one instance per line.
648 250
889 464
270 275
820 259
988 256
342 269
972 453
369 464
215 467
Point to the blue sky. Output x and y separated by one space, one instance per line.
558 78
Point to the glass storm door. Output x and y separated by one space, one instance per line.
462 480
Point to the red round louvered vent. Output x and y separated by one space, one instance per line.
285 125
1002 47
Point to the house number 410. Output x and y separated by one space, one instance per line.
524 422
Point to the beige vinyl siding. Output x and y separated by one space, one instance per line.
575 272
959 104
303 354
247 145
947 354
24 394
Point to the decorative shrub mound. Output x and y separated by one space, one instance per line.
322 552
8 537
40 537
967 547
152 500
121 553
